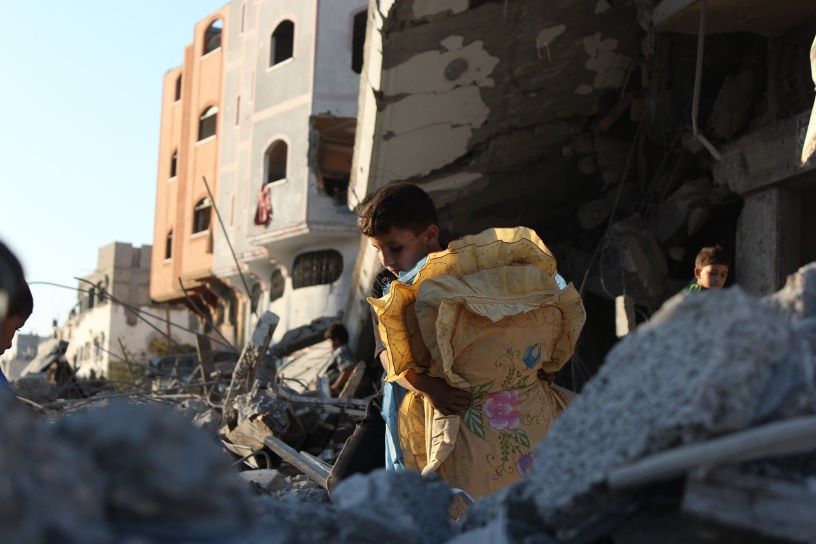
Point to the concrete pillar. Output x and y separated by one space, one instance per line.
768 240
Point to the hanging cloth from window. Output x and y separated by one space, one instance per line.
263 213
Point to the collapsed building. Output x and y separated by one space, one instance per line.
627 134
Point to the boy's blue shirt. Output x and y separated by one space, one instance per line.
393 393
4 383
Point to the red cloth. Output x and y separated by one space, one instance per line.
263 213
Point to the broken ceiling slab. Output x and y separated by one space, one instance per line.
754 16
765 157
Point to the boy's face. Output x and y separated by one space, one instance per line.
712 276
7 330
400 249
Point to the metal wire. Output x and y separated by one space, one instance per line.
131 308
229 243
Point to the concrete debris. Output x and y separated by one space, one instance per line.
798 297
300 489
50 491
414 509
641 261
104 475
704 365
674 212
734 105
159 473
373 508
36 387
264 480
209 421
273 411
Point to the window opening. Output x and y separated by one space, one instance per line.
207 123
317 268
212 36
201 215
282 43
358 33
275 161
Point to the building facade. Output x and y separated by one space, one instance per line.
187 178
114 319
267 113
23 351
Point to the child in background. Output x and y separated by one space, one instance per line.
710 269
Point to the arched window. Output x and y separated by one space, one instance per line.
275 161
317 268
358 33
168 245
212 36
207 123
282 43
174 164
201 215
178 88
277 284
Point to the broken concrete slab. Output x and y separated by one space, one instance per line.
159 473
414 508
797 298
50 490
674 212
210 421
264 480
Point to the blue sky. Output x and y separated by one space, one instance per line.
81 94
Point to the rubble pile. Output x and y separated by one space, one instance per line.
706 365
373 508
100 475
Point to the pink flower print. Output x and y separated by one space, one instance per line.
525 464
501 409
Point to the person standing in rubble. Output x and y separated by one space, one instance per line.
342 361
710 269
401 223
470 338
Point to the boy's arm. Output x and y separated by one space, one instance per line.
448 400
338 384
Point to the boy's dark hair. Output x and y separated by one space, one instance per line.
12 281
401 206
337 332
712 255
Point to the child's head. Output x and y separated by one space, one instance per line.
711 267
20 302
337 334
402 224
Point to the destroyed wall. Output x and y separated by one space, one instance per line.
575 118
476 101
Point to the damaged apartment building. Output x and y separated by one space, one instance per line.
256 145
627 133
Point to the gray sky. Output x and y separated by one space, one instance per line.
81 93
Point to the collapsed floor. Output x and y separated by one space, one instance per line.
706 366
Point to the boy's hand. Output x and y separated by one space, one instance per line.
448 400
